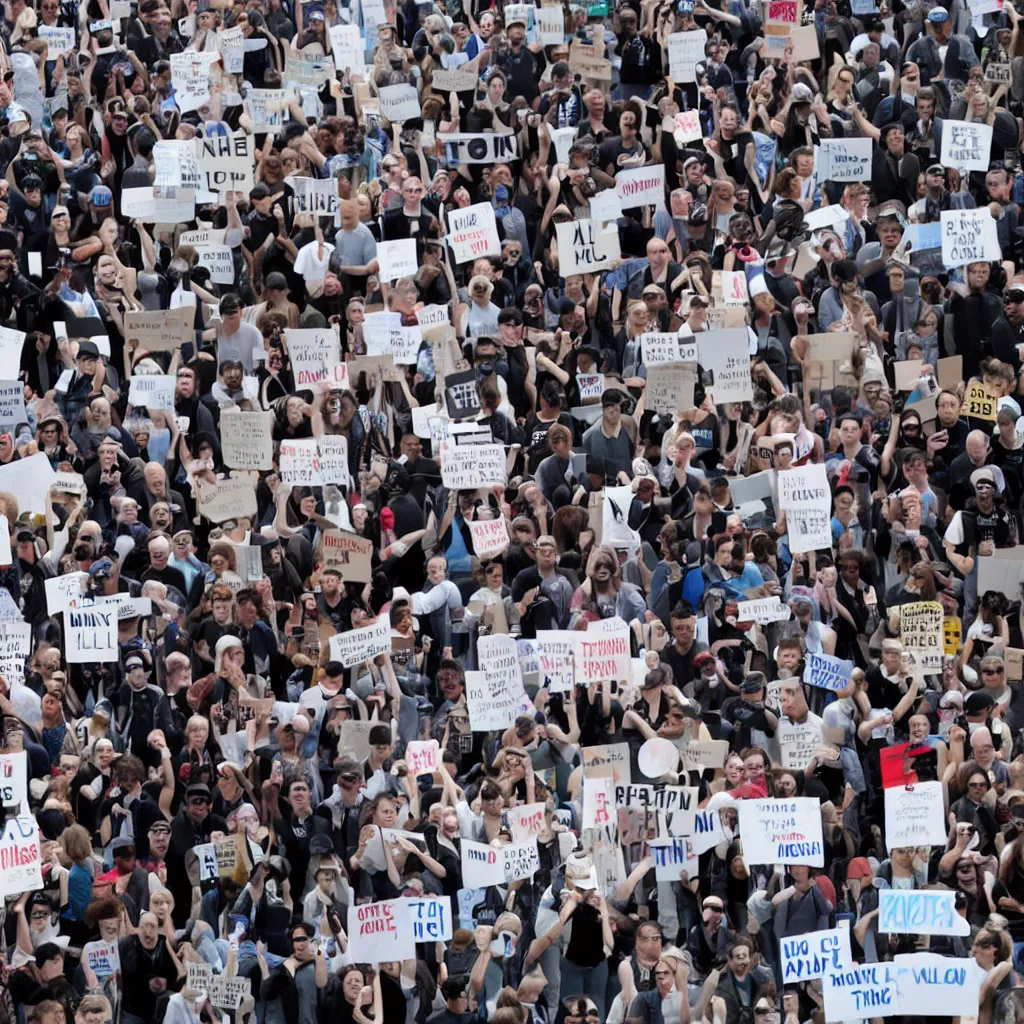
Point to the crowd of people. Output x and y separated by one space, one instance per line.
460 462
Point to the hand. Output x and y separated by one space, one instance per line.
157 985
985 548
483 935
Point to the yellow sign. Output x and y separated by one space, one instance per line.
951 634
979 403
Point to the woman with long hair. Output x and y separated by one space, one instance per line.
604 594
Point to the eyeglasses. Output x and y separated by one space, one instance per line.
991 671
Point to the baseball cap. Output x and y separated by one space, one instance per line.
977 702
88 348
802 93
101 196
859 868
983 474
60 211
198 789
937 15
936 169
1014 294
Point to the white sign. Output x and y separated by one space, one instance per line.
685 52
490 536
658 348
809 955
381 931
357 645
914 816
727 355
762 611
583 249
313 353
400 103
190 77
782 831
861 991
21 857
153 391
920 912
525 821
487 148
602 654
421 757
141 204
520 860
397 259
489 710
605 206
13 778
551 24
91 633
218 260
844 159
599 802
555 659
333 457
931 985
59 41
232 48
431 919
641 186
472 233
469 466
481 864
805 487
318 196
673 856
969 236
966 146
247 440
300 463
226 162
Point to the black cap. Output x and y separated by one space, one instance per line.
88 348
31 181
259 191
978 702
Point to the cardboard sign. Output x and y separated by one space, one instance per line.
811 954
583 248
966 145
920 912
362 643
349 553
782 831
641 186
969 236
163 331
381 931
607 760
914 816
979 403
473 232
247 440
921 632
670 387
460 79
590 62
481 864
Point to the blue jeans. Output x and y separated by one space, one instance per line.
585 981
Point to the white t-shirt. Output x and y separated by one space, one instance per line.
309 265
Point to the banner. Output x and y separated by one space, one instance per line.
782 831
247 440
360 644
920 912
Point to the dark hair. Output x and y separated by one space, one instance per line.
380 735
454 987
683 610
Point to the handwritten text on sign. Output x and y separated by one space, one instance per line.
481 865
21 857
431 919
921 631
920 912
641 186
914 816
602 657
811 954
965 145
782 831
381 931
969 236
673 856
827 672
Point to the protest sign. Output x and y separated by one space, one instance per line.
190 76
932 985
670 387
702 754
380 931
809 955
762 611
163 331
104 960
641 186
354 739
685 52
520 860
828 672
64 591
600 654
914 816
299 463
979 403
266 110
481 864
421 757
153 391
555 659
798 742
400 103
219 261
431 919
227 993
920 912
598 803
347 48
90 634
397 259
657 348
11 344
969 236
348 553
605 206
609 760
486 148
687 126
844 160
21 859
727 355
672 857
332 450
921 632
525 821
499 662
804 487
551 24
656 797
12 405
313 352
226 162
782 831
589 61
460 79
473 232
583 248
141 204
860 990
467 467
966 145
490 537
487 710
318 196
357 645
461 396
226 499
13 778
247 440
232 48
59 41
